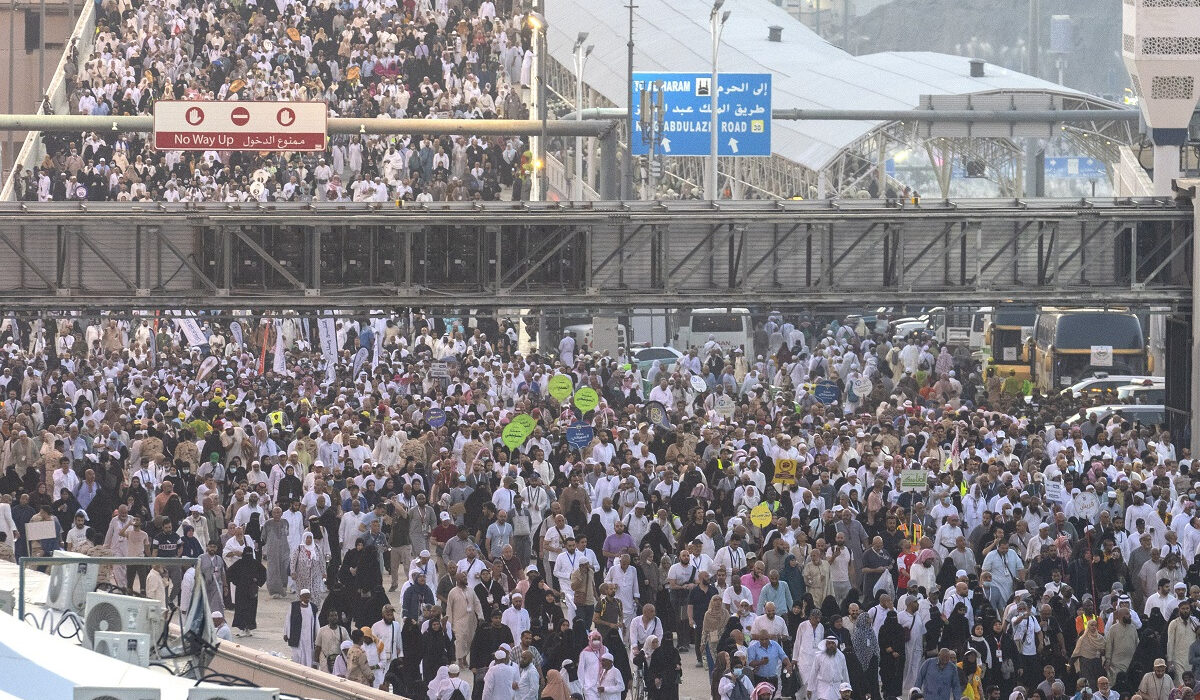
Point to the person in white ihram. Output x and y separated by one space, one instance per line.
566 349
220 627
501 678
610 685
828 672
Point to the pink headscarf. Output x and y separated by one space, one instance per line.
599 651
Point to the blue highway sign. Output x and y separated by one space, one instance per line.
744 102
1076 166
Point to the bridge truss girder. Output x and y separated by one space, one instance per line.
610 255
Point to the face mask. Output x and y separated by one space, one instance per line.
595 643
737 672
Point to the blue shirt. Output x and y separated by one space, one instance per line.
773 653
781 597
85 493
939 682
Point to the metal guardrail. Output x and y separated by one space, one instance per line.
82 38
591 255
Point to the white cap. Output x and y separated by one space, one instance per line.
218 615
305 591
606 657
425 553
844 687
500 655
454 669
347 644
197 509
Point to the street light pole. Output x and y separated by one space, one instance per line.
537 22
716 21
627 163
581 55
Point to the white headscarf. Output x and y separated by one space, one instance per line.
440 683
307 546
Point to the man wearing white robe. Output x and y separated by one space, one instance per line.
300 630
610 685
810 636
296 524
624 577
566 349
387 633
913 619
501 678
828 672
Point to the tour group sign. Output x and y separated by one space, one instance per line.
210 125
743 123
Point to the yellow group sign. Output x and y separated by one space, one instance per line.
785 471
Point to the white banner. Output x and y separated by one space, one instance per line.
327 333
359 358
235 329
191 331
209 364
280 365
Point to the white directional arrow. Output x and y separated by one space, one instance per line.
666 145
733 144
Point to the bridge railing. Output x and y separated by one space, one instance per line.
614 254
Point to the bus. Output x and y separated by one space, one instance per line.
731 328
1072 344
1007 335
962 328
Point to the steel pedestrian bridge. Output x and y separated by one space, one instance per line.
600 255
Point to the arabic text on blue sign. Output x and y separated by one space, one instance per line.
1076 166
435 417
580 434
743 126
827 392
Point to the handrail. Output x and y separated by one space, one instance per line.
82 38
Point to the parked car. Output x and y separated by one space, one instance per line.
1149 414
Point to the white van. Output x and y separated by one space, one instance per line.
584 337
730 327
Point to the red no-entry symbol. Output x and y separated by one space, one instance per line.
194 116
286 116
239 116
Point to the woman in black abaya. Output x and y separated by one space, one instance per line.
891 655
436 650
351 563
664 671
247 575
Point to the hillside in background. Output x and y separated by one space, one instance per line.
998 31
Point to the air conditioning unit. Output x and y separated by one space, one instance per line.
94 693
130 647
232 693
108 612
70 584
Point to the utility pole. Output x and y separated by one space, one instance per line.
846 25
651 119
1035 36
716 21
627 164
